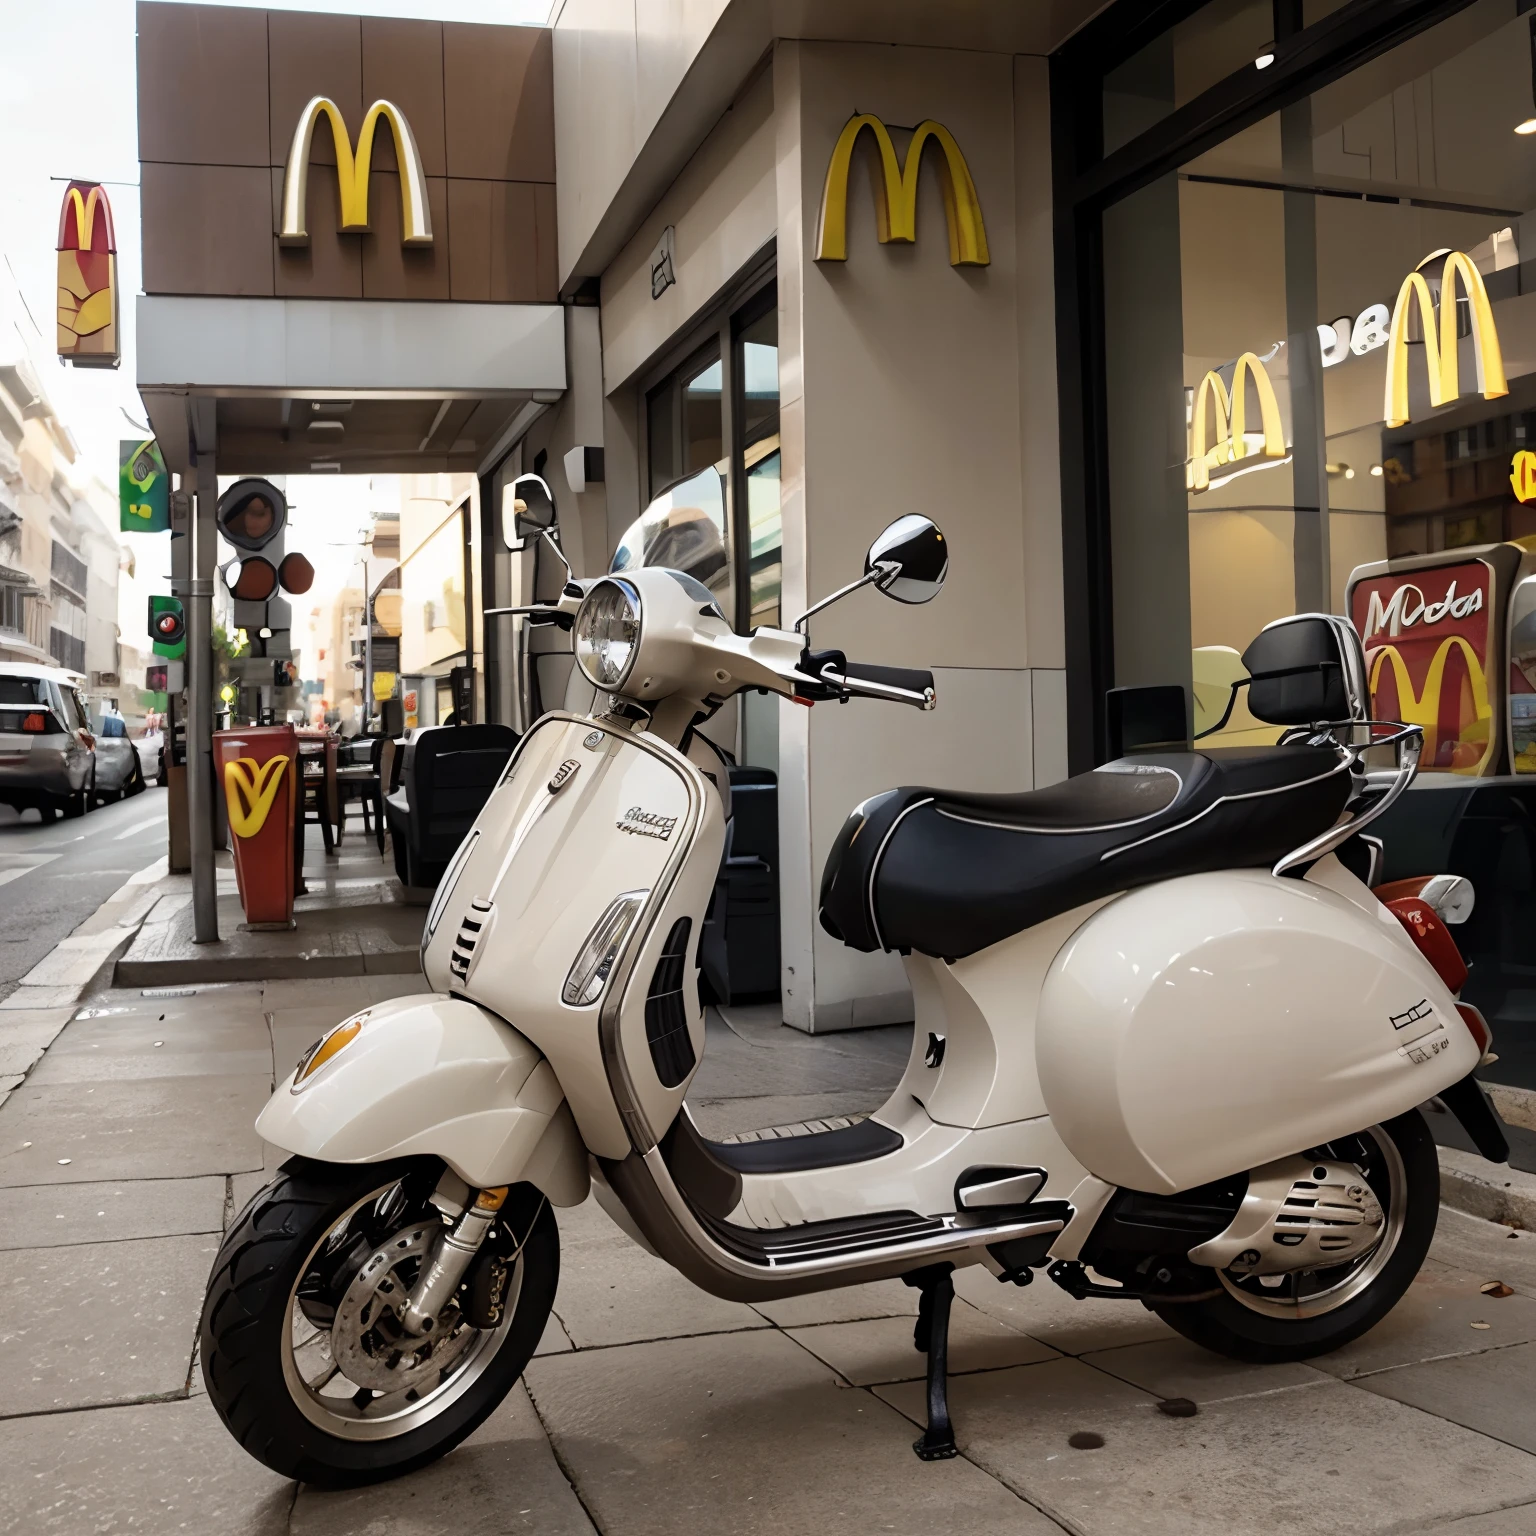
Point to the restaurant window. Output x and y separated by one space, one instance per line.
1251 290
712 462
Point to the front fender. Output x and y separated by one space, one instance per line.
440 1076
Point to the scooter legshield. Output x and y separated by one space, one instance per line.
432 1075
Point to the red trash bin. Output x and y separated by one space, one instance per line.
258 768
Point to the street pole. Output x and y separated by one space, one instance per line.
199 607
367 649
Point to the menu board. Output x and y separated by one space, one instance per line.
1426 637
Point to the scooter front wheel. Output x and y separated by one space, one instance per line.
301 1347
1310 1312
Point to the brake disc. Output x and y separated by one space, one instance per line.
368 1342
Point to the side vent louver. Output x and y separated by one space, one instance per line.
666 1014
467 939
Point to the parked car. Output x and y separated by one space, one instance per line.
47 751
119 772
150 745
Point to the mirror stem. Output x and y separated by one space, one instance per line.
881 573
554 544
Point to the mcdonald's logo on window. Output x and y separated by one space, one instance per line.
895 185
1230 410
87 251
1440 352
352 174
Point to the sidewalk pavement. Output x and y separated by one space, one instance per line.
654 1408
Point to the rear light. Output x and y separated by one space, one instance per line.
35 723
1432 937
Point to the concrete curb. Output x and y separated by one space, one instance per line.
1516 1106
1493 1191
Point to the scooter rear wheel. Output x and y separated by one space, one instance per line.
294 1339
1316 1311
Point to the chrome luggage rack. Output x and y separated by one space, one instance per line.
1409 739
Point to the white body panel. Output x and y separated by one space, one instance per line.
1212 1023
436 1075
550 862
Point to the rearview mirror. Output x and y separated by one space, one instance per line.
527 509
911 558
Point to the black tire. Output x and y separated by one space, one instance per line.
72 807
1227 1326
136 784
247 1307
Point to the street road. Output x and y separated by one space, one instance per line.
54 877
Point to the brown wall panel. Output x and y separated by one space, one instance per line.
403 63
313 55
499 84
202 84
503 248
206 229
331 265
394 271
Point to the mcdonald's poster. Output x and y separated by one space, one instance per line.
1426 637
87 251
143 487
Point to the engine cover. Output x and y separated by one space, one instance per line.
1297 1214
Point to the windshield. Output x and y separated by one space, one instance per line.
21 690
683 529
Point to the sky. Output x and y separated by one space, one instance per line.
67 99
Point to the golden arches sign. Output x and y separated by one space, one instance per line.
352 174
1231 419
250 790
1417 708
1440 352
896 193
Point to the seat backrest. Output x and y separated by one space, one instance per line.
450 771
1305 669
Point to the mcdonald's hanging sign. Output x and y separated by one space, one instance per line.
352 174
1441 351
895 186
1231 420
87 249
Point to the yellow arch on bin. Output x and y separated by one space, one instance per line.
896 193
250 791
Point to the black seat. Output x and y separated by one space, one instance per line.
449 773
950 873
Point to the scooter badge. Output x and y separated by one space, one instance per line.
563 775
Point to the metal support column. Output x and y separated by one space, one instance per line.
199 607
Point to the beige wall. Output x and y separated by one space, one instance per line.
907 387
724 210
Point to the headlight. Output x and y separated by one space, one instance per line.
607 633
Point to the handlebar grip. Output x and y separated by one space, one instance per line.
890 677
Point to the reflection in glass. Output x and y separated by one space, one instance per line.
759 353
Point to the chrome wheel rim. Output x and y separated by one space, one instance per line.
315 1364
1316 1292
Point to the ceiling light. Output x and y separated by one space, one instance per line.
1264 60
1376 470
1349 474
1528 126
264 633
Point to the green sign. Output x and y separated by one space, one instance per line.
143 487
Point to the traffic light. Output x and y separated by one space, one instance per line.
167 627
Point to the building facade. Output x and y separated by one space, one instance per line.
1177 318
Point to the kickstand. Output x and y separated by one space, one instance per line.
931 1336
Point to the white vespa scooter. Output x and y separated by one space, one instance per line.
1167 1047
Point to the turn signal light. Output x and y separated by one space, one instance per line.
332 1045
